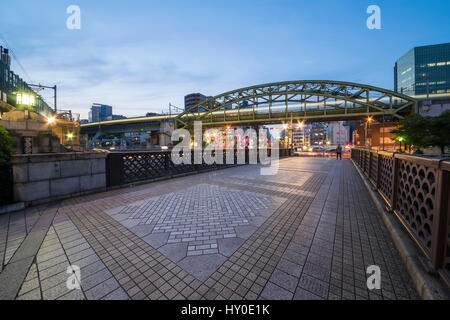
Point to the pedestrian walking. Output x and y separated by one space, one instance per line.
339 152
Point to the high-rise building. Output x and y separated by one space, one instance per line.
100 112
192 99
317 134
423 67
337 133
301 135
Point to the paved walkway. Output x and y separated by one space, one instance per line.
308 232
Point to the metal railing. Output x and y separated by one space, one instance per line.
417 189
127 167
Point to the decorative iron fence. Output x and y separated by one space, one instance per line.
418 191
128 167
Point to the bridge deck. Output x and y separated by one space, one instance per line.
308 232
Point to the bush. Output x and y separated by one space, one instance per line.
440 131
6 181
424 132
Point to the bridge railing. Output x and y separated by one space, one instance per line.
10 82
417 189
128 167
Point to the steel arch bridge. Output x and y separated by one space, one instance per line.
305 100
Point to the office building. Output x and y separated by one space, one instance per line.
192 99
301 136
100 112
423 69
317 134
376 136
337 133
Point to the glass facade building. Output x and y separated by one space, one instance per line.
422 67
100 112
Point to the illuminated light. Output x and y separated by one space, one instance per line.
69 135
400 139
51 120
164 148
26 99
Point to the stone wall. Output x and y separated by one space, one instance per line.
40 178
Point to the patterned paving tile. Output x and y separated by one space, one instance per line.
204 219
308 232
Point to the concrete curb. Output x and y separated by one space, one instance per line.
13 207
428 286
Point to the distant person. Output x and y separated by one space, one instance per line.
339 152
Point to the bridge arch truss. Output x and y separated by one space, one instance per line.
298 100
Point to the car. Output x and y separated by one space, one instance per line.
316 149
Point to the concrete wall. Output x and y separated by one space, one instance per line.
40 178
165 132
435 109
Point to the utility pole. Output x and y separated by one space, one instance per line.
428 102
383 130
291 138
365 136
175 108
47 87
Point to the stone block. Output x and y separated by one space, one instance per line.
75 168
43 171
92 182
98 166
31 191
20 173
65 186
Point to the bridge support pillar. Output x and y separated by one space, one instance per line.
165 132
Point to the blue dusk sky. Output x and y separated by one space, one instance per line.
140 55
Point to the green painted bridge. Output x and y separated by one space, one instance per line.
299 100
274 103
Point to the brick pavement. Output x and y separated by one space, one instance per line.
307 233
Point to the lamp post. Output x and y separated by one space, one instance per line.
47 87
368 122
301 126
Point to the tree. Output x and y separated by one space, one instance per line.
414 131
6 150
439 131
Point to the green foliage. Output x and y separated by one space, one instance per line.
423 132
439 131
6 150
412 131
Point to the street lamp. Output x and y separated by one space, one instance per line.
301 126
368 121
51 120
